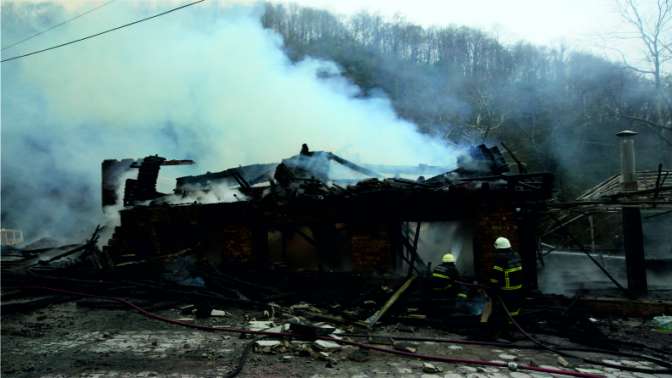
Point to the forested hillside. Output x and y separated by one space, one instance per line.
556 108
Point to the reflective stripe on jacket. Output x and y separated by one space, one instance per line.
507 271
443 275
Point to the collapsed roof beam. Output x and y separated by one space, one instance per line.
353 166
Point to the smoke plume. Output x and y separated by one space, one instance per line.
206 83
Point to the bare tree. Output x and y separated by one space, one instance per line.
655 32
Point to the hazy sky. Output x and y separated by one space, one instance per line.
580 24
587 25
538 21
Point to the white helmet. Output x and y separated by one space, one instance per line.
502 243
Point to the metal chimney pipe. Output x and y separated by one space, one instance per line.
633 236
628 175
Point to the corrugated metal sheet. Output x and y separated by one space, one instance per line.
646 185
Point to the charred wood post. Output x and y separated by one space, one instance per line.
112 171
633 243
260 246
143 187
527 220
397 239
414 249
633 239
373 319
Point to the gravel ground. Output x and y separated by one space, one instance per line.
68 341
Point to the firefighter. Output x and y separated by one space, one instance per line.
506 282
444 276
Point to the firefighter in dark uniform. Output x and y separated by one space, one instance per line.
443 280
506 282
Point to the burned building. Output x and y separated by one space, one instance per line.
318 212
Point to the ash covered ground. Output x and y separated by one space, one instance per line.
75 340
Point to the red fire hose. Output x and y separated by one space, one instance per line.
290 335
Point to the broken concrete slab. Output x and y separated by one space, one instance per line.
405 347
326 345
430 368
259 325
268 346
562 361
308 329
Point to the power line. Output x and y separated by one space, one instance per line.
101 33
56 26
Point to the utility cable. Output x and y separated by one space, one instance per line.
56 26
290 335
101 33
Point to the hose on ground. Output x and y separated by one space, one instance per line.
425 357
509 345
584 359
241 360
546 346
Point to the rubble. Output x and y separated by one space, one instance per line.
268 346
258 325
359 355
219 313
287 358
663 324
324 345
406 347
430 368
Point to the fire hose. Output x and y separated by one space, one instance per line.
508 345
425 357
557 350
584 359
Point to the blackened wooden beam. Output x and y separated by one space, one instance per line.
633 243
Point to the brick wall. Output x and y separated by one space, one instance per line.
231 245
492 222
371 248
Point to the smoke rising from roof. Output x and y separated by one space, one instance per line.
206 83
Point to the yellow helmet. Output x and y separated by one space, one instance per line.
502 243
448 258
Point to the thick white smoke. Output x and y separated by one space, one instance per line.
206 83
